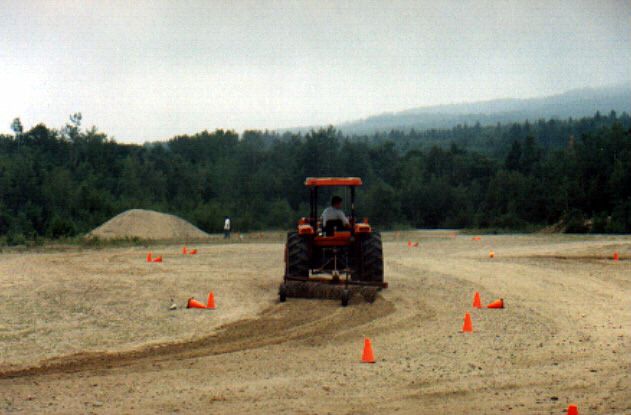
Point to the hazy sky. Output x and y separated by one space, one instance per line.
149 70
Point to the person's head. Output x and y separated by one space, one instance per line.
225 217
336 202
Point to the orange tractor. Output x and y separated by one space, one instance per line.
350 257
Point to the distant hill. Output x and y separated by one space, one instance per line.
575 103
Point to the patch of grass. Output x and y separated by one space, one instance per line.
80 241
500 230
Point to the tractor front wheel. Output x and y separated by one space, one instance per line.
282 293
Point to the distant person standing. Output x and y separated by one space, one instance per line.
226 227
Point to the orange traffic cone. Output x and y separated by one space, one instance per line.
149 257
476 238
491 254
184 251
409 244
572 410
467 326
193 303
367 356
496 304
193 251
476 300
616 257
157 259
211 301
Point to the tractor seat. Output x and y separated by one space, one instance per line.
332 225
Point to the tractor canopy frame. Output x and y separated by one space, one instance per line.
313 183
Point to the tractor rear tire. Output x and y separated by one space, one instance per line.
372 258
297 255
346 296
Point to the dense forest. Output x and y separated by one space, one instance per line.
63 182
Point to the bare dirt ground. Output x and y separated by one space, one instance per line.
89 331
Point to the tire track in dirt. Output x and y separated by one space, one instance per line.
281 323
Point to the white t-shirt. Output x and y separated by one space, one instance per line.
332 213
226 225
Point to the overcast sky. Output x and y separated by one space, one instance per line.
149 70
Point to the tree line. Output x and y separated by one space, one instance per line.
64 182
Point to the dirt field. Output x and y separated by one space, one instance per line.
89 331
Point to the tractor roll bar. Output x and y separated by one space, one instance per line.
313 202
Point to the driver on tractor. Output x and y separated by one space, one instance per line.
333 217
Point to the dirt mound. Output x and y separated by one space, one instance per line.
147 224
